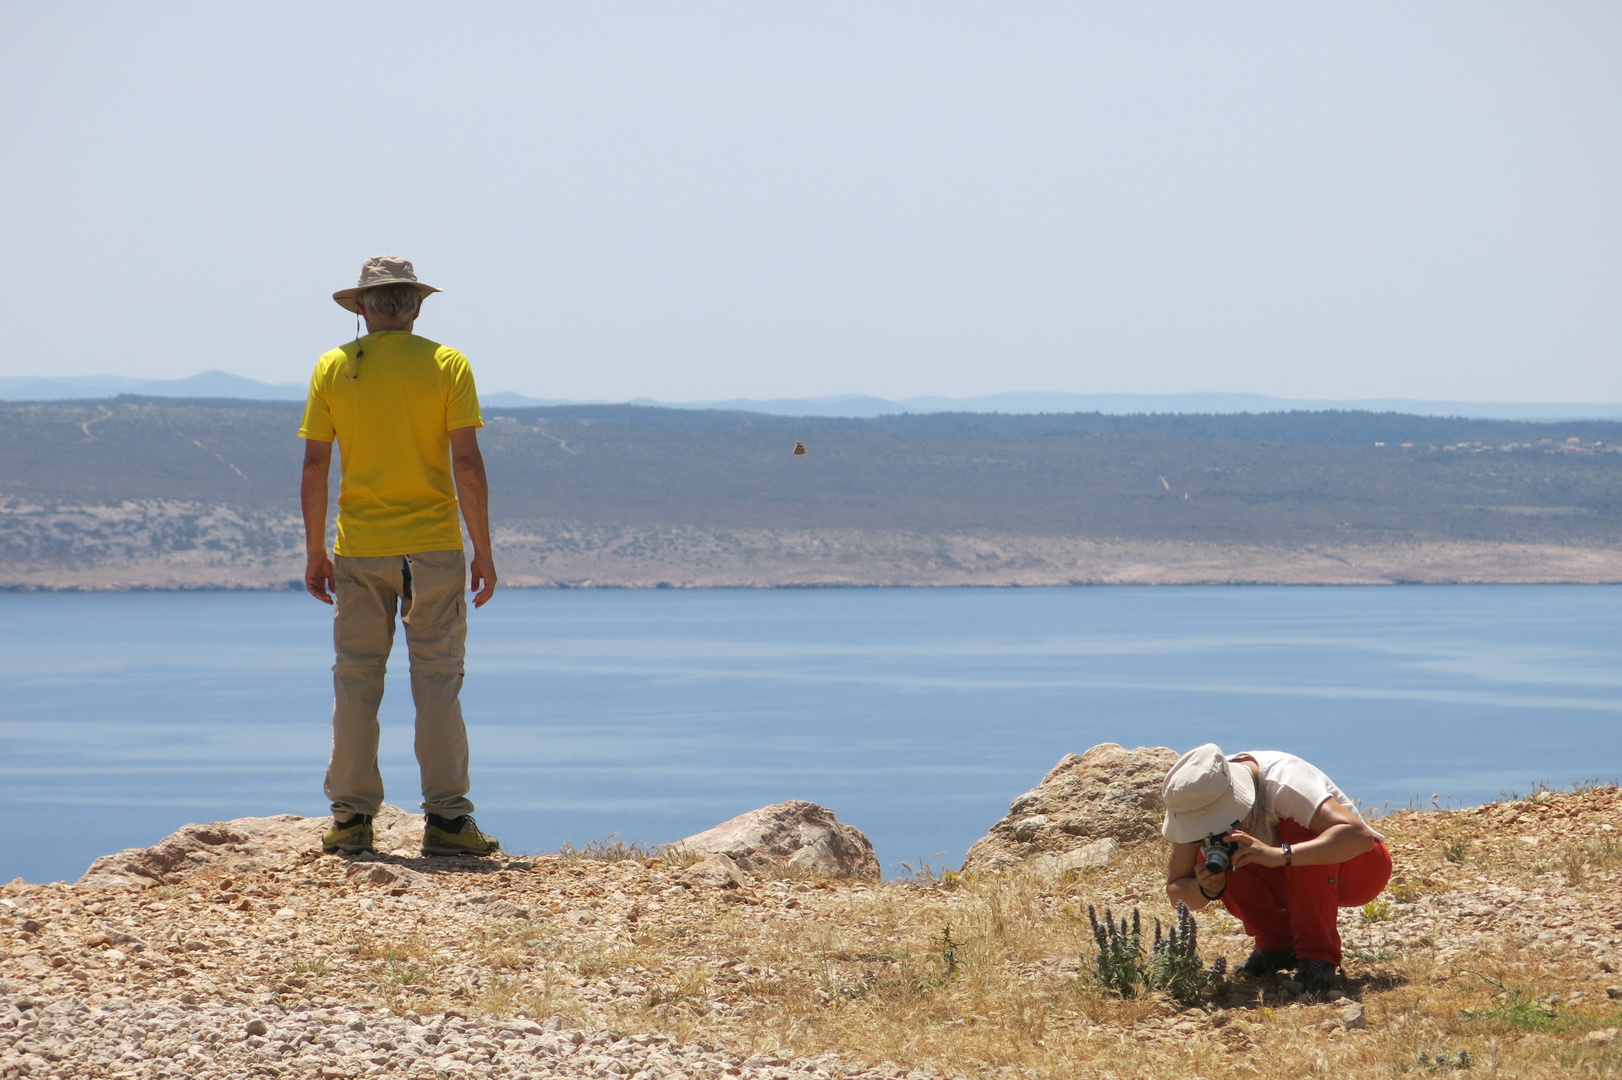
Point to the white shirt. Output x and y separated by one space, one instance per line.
1288 788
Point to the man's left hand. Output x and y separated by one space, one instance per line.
482 579
1252 852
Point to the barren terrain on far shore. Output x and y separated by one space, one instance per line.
146 494
120 555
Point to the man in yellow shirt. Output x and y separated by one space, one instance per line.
405 415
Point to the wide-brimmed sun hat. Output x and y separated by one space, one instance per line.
382 270
1205 793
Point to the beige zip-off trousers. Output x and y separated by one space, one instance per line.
434 611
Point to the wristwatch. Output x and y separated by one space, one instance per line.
1285 847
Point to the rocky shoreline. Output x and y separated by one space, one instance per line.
239 950
165 545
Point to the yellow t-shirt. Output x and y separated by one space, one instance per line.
391 401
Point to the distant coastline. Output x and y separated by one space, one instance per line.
685 558
147 494
220 385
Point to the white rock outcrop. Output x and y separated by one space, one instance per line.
240 844
1083 812
796 835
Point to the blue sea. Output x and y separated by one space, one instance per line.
916 714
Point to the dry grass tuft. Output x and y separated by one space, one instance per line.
607 849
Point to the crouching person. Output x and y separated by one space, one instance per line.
1295 847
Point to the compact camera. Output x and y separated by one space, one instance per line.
1218 853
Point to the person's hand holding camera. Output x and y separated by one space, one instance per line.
1211 885
1252 852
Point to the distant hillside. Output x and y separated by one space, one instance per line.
209 384
220 384
194 493
1345 428
861 405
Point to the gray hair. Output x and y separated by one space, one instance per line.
390 300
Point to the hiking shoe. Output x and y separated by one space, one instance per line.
1315 976
351 837
1265 963
456 836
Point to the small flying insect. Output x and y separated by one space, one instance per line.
799 447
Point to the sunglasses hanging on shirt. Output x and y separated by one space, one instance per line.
352 368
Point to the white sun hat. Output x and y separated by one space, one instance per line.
1205 793
382 270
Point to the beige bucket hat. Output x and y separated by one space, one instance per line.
382 270
1205 793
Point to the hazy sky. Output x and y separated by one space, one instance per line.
710 200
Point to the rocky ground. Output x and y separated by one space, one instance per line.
240 950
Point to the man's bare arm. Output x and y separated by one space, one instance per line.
313 498
473 492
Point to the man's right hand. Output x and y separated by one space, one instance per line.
318 580
482 578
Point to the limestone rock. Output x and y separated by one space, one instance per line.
715 872
243 843
1354 1018
1030 828
1108 793
506 909
1096 855
397 879
795 834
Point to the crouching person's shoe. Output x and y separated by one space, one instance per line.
456 836
1315 976
351 837
1265 963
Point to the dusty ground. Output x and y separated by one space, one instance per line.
1494 954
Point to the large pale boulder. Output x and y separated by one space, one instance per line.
795 835
240 845
1083 811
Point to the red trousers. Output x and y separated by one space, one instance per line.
1283 906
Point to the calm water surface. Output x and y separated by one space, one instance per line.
916 714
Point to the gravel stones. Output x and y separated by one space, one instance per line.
447 981
177 979
1108 793
73 1038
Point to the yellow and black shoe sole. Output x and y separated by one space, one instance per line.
433 845
348 845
